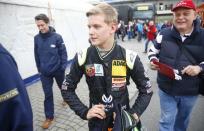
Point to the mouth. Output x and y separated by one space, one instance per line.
180 22
93 39
42 31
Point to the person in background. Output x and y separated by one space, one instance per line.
134 28
107 68
158 26
117 33
145 30
139 27
178 97
15 109
166 24
51 61
151 34
122 30
130 30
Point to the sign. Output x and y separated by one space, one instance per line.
142 8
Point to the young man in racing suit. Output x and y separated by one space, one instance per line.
107 68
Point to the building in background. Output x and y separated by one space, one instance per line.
144 11
161 12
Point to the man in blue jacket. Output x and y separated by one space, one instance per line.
51 61
178 97
15 109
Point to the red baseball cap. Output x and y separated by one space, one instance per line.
185 4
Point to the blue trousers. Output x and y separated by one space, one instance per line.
175 111
47 83
129 33
147 42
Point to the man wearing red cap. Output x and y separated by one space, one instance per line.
178 97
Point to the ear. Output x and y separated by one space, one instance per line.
195 15
113 27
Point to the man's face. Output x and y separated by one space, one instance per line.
151 23
183 19
99 31
42 26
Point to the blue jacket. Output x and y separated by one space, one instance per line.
50 53
167 51
15 108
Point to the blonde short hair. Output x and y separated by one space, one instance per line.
111 14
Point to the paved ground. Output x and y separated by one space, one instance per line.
66 120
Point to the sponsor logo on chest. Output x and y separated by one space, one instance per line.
94 70
118 68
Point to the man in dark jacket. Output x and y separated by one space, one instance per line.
51 60
107 68
178 97
15 109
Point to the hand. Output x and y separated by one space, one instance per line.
96 111
154 66
114 115
136 117
191 70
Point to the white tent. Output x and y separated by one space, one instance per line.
17 27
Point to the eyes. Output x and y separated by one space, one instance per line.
185 14
40 25
94 26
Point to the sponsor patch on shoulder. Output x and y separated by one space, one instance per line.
8 95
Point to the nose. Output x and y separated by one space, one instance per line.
91 31
181 16
40 27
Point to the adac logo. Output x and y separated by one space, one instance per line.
118 63
118 68
90 70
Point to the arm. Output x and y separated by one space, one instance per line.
144 87
62 52
15 108
154 51
68 89
37 60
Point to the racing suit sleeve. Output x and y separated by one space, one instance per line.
62 52
144 88
68 89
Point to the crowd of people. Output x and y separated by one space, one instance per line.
107 68
141 29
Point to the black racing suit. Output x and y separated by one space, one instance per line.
106 77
